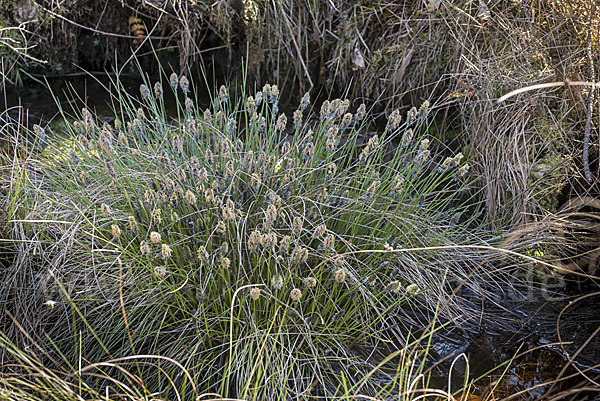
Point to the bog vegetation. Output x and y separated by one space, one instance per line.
283 243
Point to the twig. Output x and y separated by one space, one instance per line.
116 35
566 82
588 122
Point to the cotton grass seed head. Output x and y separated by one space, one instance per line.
295 294
373 188
412 115
299 255
325 106
177 143
227 212
274 94
407 138
394 286
184 83
284 244
225 263
144 92
258 98
254 240
422 157
297 118
224 248
88 118
250 105
255 293
463 171
190 197
231 127
158 90
132 223
160 271
319 231
50 303
310 282
155 237
157 215
105 209
365 153
331 169
361 112
346 120
255 182
189 104
268 240
309 150
329 241
277 282
373 142
123 138
219 117
270 215
424 109
305 102
165 251
266 91
394 120
281 123
297 225
223 95
144 248
275 199
447 163
399 184
116 231
174 81
340 275
332 138
221 227
202 254
202 175
412 289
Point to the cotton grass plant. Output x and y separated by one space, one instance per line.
234 240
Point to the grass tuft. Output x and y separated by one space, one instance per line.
259 255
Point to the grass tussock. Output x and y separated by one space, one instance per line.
258 251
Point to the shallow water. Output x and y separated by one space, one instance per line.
40 103
35 101
532 341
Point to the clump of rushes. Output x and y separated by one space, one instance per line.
233 206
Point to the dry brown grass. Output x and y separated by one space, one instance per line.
528 148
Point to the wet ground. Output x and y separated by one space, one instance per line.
545 340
